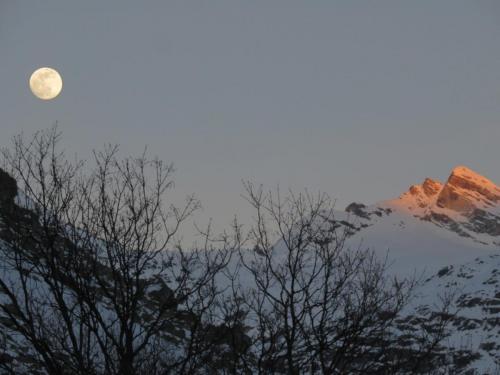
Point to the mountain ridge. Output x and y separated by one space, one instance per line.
467 204
463 191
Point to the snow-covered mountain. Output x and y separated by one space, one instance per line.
432 224
451 232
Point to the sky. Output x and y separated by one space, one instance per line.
358 99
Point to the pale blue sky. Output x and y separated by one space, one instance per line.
359 99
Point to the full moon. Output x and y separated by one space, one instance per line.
46 83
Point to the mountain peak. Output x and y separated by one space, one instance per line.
467 173
431 187
465 189
462 169
467 203
420 195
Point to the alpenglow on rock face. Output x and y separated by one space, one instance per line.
467 204
467 190
431 187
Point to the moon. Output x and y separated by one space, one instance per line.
46 83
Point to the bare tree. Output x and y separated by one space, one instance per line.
314 304
93 278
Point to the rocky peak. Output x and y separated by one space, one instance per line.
465 190
431 187
422 195
468 204
428 188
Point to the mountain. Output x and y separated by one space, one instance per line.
448 236
432 224
451 233
468 204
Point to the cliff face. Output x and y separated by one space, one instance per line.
466 190
431 187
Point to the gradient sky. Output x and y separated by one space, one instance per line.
359 99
